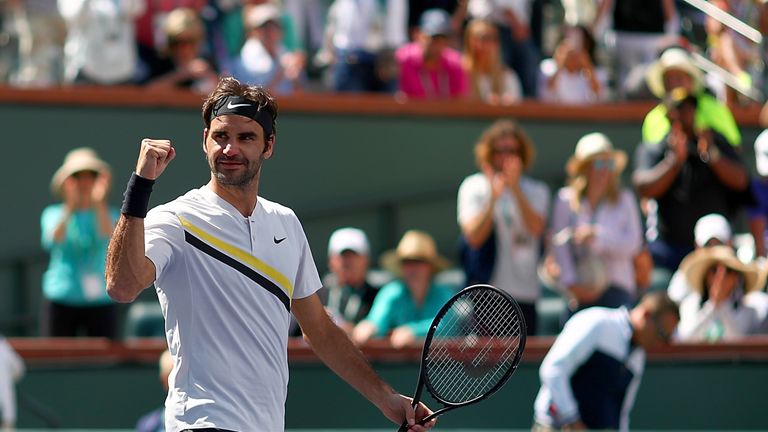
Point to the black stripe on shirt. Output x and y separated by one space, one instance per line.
242 268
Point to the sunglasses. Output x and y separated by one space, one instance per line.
85 174
506 151
603 164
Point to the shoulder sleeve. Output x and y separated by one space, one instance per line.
48 221
307 279
163 238
474 194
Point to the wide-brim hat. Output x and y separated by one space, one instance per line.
77 160
673 58
416 245
695 265
591 146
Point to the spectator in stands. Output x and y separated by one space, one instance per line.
457 9
727 301
101 41
11 371
429 68
404 309
502 215
234 28
710 230
349 293
571 76
673 69
732 52
597 228
154 421
42 33
590 376
360 37
513 22
758 213
641 27
489 78
692 173
263 60
76 232
184 66
309 19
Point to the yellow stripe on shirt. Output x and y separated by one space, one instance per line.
241 255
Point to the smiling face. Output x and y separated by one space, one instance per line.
235 147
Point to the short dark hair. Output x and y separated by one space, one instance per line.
659 304
229 86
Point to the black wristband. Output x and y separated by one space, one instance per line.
136 196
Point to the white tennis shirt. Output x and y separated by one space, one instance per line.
225 283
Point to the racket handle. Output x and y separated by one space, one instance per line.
403 428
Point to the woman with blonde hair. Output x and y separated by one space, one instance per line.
490 80
597 228
502 215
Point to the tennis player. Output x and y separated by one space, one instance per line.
229 267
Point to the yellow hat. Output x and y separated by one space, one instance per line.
416 245
695 265
77 160
591 146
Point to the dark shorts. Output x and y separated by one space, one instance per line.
61 320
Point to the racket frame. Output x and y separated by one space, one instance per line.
424 382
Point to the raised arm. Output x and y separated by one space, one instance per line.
128 270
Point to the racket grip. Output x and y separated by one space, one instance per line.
404 427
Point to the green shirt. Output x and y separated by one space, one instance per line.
710 114
394 307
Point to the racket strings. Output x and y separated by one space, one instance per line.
475 344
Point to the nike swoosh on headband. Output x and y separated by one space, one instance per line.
230 105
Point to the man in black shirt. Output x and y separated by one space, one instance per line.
689 174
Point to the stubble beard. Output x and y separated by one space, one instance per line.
236 180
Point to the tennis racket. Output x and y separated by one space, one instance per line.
474 345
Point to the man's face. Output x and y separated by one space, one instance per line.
434 45
235 148
658 329
349 267
674 78
504 148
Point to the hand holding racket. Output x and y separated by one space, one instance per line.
474 345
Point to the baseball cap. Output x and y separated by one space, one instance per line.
351 239
712 226
435 22
262 14
761 153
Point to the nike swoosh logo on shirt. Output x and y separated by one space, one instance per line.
277 240
230 105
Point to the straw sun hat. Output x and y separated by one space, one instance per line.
673 58
414 245
591 146
77 160
696 264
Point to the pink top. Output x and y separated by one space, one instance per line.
447 80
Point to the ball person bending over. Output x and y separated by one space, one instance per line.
229 267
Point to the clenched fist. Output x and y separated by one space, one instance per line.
154 157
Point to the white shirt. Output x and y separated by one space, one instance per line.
493 10
517 251
225 282
512 92
731 320
595 329
101 39
11 370
618 239
364 25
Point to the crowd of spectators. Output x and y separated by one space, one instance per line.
496 51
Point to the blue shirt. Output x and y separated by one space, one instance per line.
760 192
394 307
75 274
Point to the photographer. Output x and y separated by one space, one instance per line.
689 174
